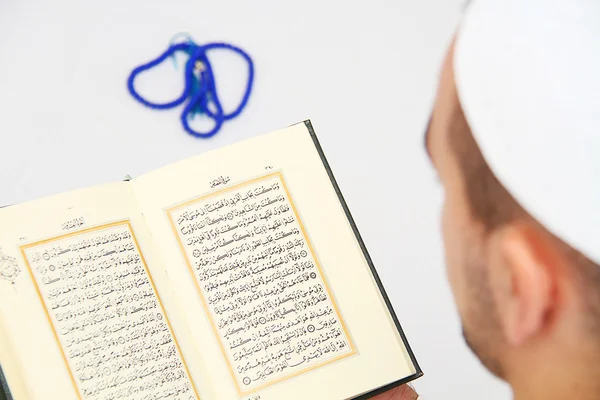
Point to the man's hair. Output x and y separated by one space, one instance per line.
493 206
489 202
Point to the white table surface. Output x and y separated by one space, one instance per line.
364 72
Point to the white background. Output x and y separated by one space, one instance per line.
363 71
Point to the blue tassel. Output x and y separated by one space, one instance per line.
200 89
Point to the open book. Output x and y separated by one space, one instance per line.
236 274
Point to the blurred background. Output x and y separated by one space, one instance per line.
364 72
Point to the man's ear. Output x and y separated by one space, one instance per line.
525 270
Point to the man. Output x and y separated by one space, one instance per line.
515 140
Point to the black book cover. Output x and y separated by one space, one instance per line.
419 372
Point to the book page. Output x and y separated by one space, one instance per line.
277 291
79 306
261 282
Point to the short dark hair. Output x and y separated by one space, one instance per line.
490 203
493 206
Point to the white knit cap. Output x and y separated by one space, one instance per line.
528 79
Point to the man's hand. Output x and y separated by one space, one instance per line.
403 392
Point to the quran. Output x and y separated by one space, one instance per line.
235 274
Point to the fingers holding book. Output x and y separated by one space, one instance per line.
404 392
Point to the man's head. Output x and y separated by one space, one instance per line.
524 294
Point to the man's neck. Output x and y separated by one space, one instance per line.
574 393
558 381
